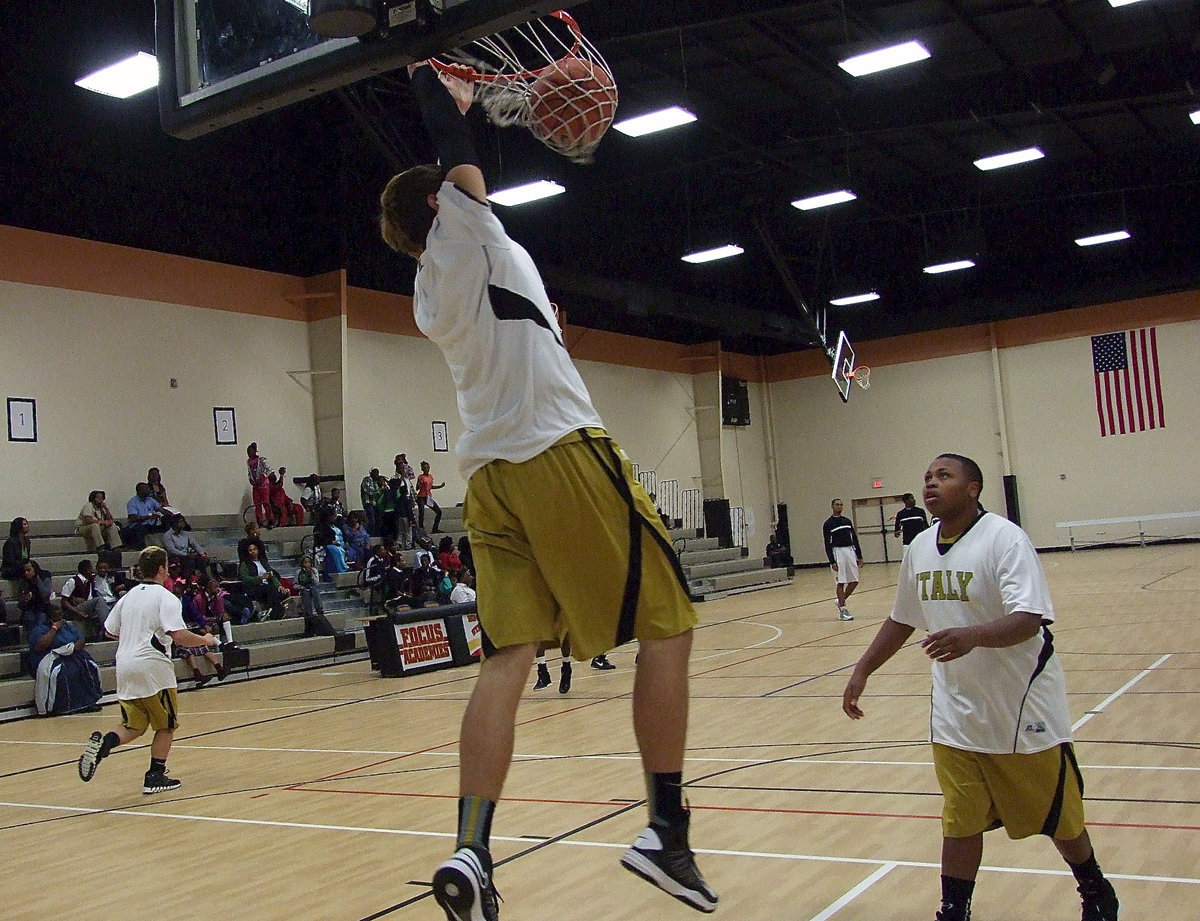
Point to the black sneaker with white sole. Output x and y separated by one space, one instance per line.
661 856
91 756
464 889
601 663
159 782
1099 901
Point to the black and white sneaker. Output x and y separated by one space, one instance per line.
1099 901
543 677
464 888
91 756
159 782
661 856
564 681
602 664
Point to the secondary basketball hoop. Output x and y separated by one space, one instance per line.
544 75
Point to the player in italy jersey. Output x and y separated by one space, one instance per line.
1000 727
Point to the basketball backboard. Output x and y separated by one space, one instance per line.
225 61
843 365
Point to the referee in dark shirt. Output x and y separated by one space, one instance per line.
910 520
845 555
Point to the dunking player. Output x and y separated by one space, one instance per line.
539 467
1000 726
910 520
845 555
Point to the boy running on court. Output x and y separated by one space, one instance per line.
1000 726
539 466
145 622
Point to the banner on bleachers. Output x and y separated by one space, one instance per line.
423 643
474 634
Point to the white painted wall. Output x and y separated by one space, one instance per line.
99 368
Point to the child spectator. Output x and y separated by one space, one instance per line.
195 624
306 581
209 604
311 497
282 507
35 596
425 488
369 490
258 470
448 558
81 603
423 586
463 592
334 502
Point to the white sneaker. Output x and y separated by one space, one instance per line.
464 888
844 614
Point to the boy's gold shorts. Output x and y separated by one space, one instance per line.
1039 793
158 712
568 543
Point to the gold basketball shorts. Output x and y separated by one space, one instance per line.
1034 794
569 544
158 712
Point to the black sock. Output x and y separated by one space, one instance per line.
664 793
475 825
111 741
1087 873
157 765
956 897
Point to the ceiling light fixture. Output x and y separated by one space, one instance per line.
125 78
948 267
1010 159
1122 2
824 201
530 191
884 59
719 252
1103 238
1195 117
854 299
661 120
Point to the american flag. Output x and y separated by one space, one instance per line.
1128 393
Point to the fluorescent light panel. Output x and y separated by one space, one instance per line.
1103 238
948 267
719 252
124 78
824 201
1010 159
530 191
1195 117
661 120
884 59
854 299
1122 2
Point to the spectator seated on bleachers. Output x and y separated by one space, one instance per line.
306 581
261 583
107 585
357 540
423 585
66 677
211 611
185 592
465 555
183 548
95 524
311 496
448 558
286 511
144 517
329 539
16 549
35 595
82 604
777 555
463 592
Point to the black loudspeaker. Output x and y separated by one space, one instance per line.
1012 505
717 523
782 534
735 402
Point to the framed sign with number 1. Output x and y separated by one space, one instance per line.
22 419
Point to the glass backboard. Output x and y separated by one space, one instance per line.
225 61
843 365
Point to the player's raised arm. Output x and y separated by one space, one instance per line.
444 101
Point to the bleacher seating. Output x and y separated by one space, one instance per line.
714 572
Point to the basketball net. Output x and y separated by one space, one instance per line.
861 376
543 75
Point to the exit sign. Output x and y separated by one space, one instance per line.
877 484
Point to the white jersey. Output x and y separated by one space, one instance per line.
145 614
479 297
990 700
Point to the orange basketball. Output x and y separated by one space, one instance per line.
573 102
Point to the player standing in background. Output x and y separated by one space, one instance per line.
564 537
1000 726
844 553
910 520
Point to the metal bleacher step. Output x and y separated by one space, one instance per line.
722 568
763 577
687 544
696 557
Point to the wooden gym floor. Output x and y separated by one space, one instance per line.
330 794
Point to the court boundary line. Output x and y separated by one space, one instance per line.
1096 711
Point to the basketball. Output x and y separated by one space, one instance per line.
573 102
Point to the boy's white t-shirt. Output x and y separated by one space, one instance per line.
145 613
480 298
990 700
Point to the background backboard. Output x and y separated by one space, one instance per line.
843 365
